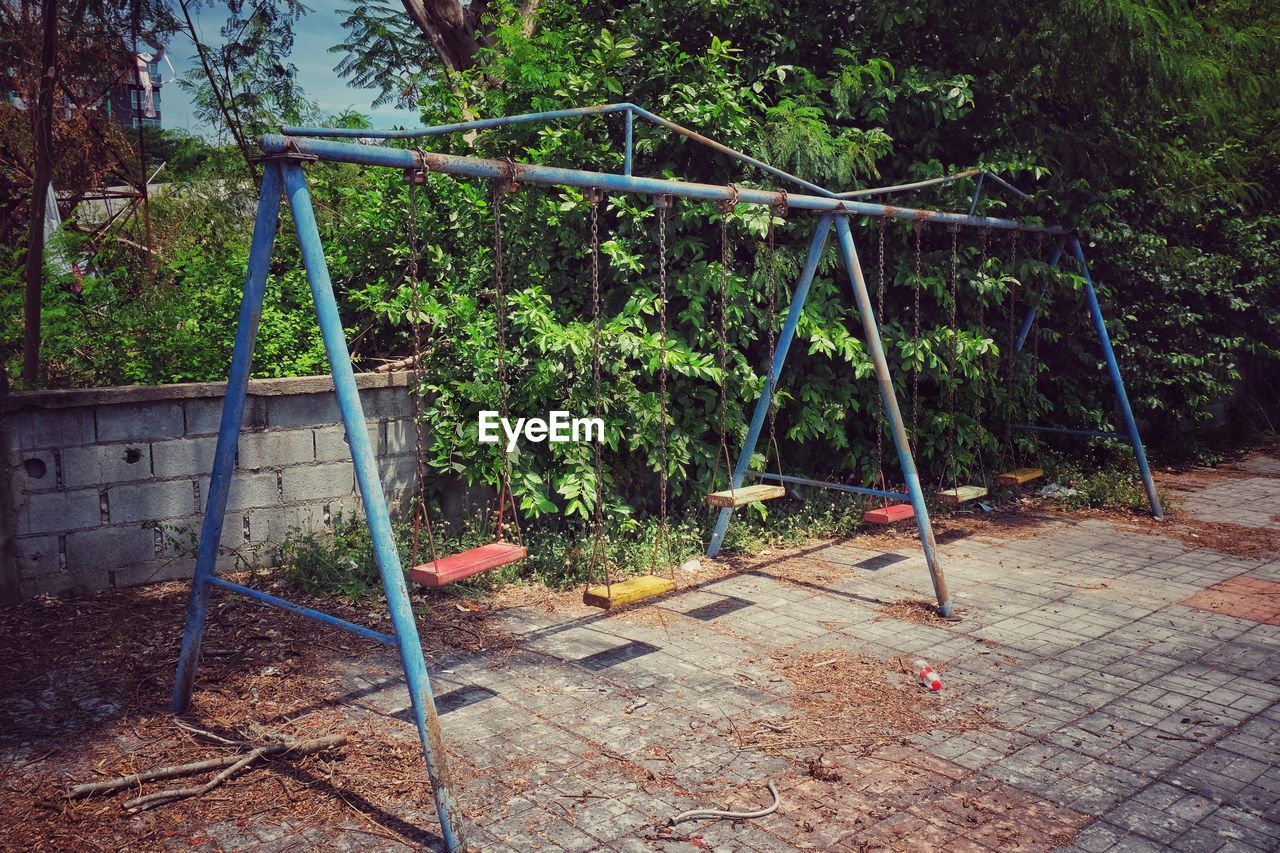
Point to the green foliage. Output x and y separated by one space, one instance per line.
1147 127
1106 481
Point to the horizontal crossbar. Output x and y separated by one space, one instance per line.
1066 431
318 615
840 487
476 167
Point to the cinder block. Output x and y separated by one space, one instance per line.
151 501
153 571
58 511
311 482
402 438
110 547
303 410
204 417
389 403
179 537
276 448
139 421
183 457
398 474
249 490
100 464
33 471
331 442
61 428
271 527
36 555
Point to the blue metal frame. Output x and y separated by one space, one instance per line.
284 175
839 487
1117 381
816 245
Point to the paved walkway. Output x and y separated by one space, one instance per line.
1108 686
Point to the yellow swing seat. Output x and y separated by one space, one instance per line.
1019 476
734 498
629 591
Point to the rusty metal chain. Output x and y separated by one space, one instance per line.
953 362
722 346
599 546
771 286
661 541
916 284
500 190
421 517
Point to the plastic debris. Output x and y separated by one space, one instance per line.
926 676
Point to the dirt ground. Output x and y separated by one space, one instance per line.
86 686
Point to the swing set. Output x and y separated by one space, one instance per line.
284 158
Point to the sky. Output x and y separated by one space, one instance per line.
313 36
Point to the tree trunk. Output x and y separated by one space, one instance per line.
42 143
450 27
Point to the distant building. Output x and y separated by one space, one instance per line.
136 97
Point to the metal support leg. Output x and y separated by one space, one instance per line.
779 357
627 143
871 331
375 504
224 457
1034 308
1117 382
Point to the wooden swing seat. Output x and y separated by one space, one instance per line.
734 498
464 564
629 591
1019 476
889 514
962 494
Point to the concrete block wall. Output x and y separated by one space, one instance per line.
106 487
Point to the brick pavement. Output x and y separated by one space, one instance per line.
1130 684
1135 710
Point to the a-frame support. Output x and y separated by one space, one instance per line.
1131 433
284 172
893 412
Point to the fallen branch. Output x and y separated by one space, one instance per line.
719 814
231 765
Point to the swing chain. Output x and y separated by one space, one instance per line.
726 208
663 203
953 363
917 283
984 239
880 288
780 210
415 178
599 547
1011 364
500 190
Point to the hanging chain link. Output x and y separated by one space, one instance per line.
664 205
1010 360
984 239
421 516
722 346
500 191
916 284
880 412
599 546
953 363
777 211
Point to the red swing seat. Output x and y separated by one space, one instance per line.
889 514
465 564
